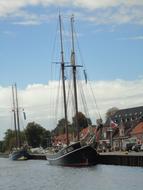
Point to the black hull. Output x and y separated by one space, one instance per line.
19 155
80 156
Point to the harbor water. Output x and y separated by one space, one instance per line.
38 175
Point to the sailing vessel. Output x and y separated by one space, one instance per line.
79 153
18 152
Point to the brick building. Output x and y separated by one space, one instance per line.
130 125
129 116
137 133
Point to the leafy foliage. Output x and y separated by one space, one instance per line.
36 135
110 112
82 121
60 129
10 139
1 146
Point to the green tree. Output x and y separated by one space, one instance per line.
110 112
60 128
10 139
36 135
1 146
82 121
46 139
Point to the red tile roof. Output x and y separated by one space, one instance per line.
138 129
85 131
62 138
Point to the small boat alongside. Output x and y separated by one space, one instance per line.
19 154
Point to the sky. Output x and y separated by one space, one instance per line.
110 40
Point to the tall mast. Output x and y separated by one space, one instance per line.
14 116
74 77
17 113
63 80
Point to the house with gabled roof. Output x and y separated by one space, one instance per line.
128 121
128 116
137 133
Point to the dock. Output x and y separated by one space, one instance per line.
111 158
38 156
122 158
32 156
107 158
3 155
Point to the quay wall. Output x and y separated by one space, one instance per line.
109 159
38 157
124 160
32 156
3 155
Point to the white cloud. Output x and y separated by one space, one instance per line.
116 16
28 22
7 7
100 12
28 18
92 4
132 38
38 99
12 6
136 38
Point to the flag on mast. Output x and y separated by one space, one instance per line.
24 114
113 125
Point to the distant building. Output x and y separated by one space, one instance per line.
128 115
130 125
61 139
137 133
